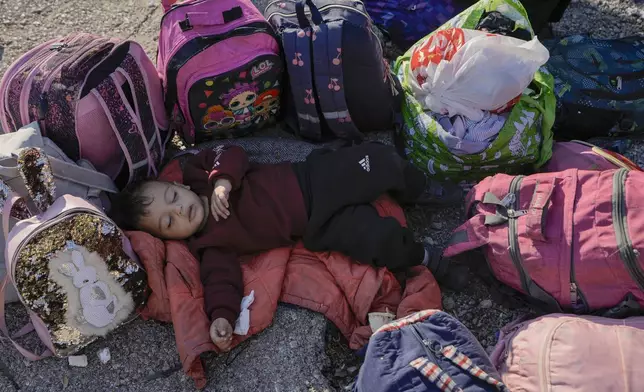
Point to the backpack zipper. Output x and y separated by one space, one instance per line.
431 354
323 8
543 377
627 253
24 92
358 2
327 7
55 48
70 60
513 239
175 6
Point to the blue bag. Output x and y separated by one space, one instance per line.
428 351
339 82
599 86
407 21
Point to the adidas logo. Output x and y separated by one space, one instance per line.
364 162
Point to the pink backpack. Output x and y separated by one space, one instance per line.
562 353
72 267
585 156
571 240
98 99
221 68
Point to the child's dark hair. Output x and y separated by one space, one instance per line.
129 206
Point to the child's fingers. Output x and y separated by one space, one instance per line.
214 207
224 198
223 205
222 209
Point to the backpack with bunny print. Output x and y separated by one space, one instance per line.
72 267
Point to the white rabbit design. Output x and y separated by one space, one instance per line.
99 305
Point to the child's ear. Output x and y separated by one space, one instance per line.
181 185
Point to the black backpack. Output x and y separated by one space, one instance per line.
340 84
599 86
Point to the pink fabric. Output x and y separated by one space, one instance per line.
562 353
206 18
578 230
584 156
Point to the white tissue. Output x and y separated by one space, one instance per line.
243 321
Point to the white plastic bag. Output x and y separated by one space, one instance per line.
460 71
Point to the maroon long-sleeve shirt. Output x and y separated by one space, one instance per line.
267 211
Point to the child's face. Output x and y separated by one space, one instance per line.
175 212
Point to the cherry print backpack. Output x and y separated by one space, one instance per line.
98 99
220 64
340 85
428 351
72 267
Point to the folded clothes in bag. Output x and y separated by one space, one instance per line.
463 136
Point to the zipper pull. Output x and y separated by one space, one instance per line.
58 46
513 214
508 200
43 106
573 294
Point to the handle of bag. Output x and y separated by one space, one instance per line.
316 16
168 4
29 327
537 211
193 19
302 20
26 329
72 173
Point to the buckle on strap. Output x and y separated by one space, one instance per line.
503 210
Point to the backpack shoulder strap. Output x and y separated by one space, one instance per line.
329 80
83 176
130 69
127 128
469 236
297 50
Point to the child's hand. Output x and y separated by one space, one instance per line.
221 334
219 203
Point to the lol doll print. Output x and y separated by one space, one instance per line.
239 101
267 105
218 118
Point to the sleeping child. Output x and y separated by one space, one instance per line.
228 207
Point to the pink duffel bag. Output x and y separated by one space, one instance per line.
581 155
571 240
562 353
